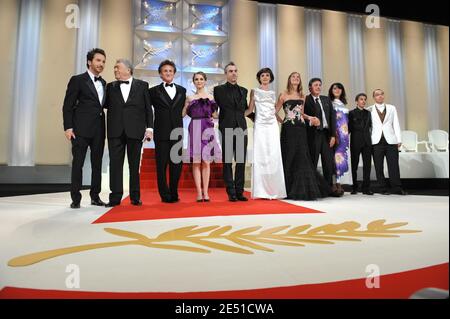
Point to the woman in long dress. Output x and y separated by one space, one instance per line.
267 168
303 182
337 94
203 147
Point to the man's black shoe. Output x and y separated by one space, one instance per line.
111 204
241 198
232 198
97 202
400 192
136 202
354 192
367 192
75 205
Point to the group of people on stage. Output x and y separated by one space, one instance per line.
284 163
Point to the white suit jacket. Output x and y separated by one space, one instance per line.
390 127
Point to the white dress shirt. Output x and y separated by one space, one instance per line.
171 90
125 89
324 118
380 107
98 86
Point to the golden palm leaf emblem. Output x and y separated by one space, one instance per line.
243 241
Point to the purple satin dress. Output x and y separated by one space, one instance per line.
203 145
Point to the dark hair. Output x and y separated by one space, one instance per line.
199 73
314 80
231 63
343 96
90 55
262 71
359 95
373 93
300 86
167 62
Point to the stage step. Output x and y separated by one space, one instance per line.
148 175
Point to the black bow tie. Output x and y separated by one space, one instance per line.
97 78
124 82
167 84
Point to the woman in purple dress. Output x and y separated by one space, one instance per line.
341 149
203 146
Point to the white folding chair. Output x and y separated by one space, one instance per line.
438 140
410 142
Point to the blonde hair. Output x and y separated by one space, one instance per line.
290 87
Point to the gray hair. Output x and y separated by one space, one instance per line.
127 63
231 63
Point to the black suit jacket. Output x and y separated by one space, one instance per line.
360 127
133 116
330 113
231 113
82 110
168 112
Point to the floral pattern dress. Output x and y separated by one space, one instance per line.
341 151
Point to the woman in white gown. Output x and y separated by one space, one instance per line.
267 169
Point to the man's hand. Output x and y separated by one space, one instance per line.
148 135
399 145
315 121
332 141
69 134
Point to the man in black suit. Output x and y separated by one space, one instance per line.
84 124
232 101
321 138
130 120
360 130
168 101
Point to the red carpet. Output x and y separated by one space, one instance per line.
394 286
153 208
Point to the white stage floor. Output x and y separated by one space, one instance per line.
37 223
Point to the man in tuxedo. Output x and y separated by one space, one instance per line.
130 120
84 125
168 101
386 141
232 101
321 138
360 129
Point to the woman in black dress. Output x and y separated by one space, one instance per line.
303 182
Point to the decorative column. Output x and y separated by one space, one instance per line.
23 120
